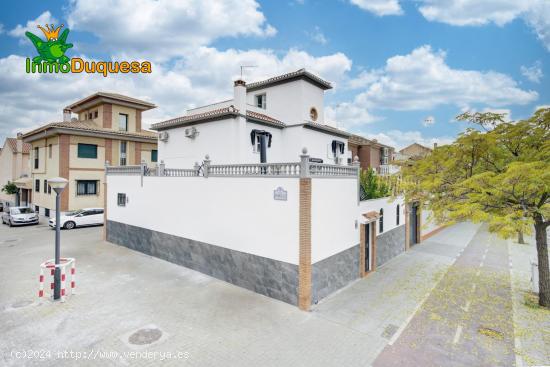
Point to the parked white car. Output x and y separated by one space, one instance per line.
19 215
79 218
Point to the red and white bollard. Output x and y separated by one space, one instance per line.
50 265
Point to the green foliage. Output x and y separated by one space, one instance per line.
10 188
500 176
372 186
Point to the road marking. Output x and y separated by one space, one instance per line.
474 287
457 334
467 307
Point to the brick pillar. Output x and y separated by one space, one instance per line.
107 115
64 144
137 152
304 269
109 150
138 120
373 241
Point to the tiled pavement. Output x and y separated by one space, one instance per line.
214 323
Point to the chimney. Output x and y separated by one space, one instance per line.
66 115
19 142
239 95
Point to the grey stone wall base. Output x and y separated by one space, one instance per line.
334 272
390 244
272 278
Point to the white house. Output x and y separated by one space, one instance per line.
277 116
259 192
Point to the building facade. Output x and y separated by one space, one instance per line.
371 153
263 195
14 165
265 122
107 129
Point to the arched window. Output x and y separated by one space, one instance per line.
381 220
397 215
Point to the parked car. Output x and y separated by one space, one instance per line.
79 218
19 215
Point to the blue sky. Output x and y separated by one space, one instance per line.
402 70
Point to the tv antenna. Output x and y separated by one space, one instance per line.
247 66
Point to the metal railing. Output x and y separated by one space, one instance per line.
255 170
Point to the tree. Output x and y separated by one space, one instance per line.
372 186
499 174
10 188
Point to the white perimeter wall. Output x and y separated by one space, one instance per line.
236 213
333 214
390 211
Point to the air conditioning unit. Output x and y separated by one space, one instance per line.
163 136
191 132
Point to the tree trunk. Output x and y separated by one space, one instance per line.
544 270
520 238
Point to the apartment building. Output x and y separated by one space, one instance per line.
107 127
371 153
14 166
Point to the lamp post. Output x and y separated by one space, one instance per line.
57 184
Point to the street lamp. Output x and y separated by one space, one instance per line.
57 184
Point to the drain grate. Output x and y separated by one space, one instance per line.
389 331
491 333
145 336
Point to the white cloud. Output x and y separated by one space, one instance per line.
533 73
536 13
347 115
473 12
379 7
30 100
428 121
401 139
422 80
317 36
162 29
32 26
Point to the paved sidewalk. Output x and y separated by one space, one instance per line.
381 304
121 292
531 323
467 320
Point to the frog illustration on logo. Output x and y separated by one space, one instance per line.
53 49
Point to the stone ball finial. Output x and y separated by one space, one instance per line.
304 150
207 157
356 158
